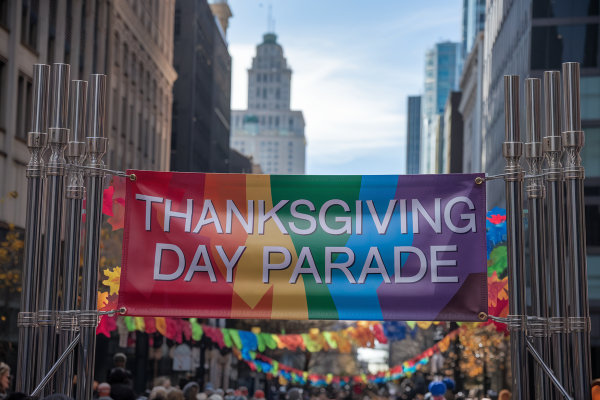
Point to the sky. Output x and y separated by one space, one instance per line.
354 63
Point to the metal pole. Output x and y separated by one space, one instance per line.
552 146
536 193
56 366
74 198
36 142
49 276
557 384
573 140
512 150
88 320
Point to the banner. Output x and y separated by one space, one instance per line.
304 247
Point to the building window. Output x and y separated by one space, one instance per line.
258 92
291 123
277 94
2 92
553 45
264 93
117 52
29 23
24 100
264 77
592 214
278 77
276 121
589 153
4 9
124 116
262 122
564 8
258 78
590 97
270 123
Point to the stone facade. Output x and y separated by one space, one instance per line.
269 131
130 41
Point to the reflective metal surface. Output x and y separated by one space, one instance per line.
88 320
512 152
557 298
37 143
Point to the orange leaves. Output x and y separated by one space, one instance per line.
497 289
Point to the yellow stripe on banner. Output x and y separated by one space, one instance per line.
289 300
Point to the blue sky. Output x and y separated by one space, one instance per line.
354 64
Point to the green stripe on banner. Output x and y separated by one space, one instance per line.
318 190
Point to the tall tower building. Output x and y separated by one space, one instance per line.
269 131
202 94
413 134
473 22
442 69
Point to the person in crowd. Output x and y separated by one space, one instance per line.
504 395
451 386
229 394
294 394
596 389
259 394
215 397
120 362
201 396
437 389
4 380
120 388
162 381
175 394
220 392
158 393
191 390
104 391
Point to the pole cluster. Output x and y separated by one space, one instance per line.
557 333
50 323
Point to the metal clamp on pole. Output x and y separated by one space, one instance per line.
512 150
58 136
573 140
37 142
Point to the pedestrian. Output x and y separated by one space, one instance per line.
158 393
175 394
4 380
504 395
294 394
451 386
437 389
259 394
191 390
220 392
596 389
229 394
104 391
120 388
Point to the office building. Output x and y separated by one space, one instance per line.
269 130
527 38
473 22
202 93
130 41
442 71
471 106
452 143
413 134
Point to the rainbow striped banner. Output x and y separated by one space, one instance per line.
305 247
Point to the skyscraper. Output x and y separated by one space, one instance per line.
413 134
269 130
442 69
202 94
473 21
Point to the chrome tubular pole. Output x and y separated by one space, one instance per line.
49 276
538 325
573 140
88 319
512 150
552 146
36 142
74 202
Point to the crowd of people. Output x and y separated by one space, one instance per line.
118 386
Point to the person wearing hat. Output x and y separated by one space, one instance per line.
451 386
120 362
437 389
259 394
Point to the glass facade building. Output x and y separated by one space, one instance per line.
413 134
473 21
442 73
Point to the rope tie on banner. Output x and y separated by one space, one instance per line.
558 325
72 167
27 319
580 324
